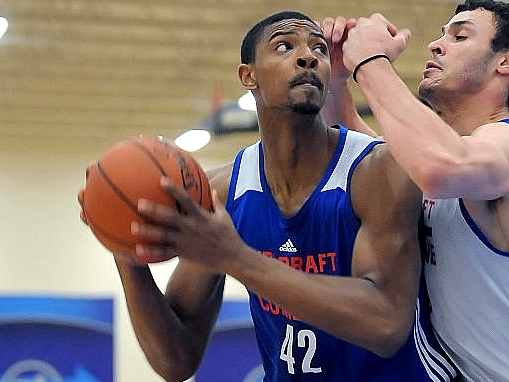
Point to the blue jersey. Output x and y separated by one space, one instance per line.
318 239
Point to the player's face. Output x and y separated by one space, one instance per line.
292 67
462 59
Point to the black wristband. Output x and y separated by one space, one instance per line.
365 61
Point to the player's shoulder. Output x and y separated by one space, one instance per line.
379 171
378 161
496 133
219 179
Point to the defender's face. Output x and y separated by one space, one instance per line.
292 66
461 58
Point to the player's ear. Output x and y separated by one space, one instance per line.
247 76
503 65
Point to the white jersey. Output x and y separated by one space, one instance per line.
468 285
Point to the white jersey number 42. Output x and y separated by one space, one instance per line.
305 338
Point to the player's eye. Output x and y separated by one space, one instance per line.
322 48
283 46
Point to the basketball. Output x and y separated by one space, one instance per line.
128 171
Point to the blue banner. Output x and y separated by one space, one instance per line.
56 339
232 354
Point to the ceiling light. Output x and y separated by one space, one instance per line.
193 140
247 102
231 117
3 25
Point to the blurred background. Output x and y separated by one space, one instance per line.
80 75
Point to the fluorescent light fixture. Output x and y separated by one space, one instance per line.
247 102
193 140
3 25
231 117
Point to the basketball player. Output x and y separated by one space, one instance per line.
459 157
317 222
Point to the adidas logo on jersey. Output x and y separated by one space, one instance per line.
288 247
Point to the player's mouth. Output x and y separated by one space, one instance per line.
307 79
430 67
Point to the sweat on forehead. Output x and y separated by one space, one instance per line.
248 47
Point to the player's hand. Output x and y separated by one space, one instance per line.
81 195
204 237
335 31
371 36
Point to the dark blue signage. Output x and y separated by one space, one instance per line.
56 339
232 354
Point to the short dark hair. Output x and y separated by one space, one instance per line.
248 47
500 11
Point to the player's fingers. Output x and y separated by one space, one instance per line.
327 28
142 259
404 35
83 217
153 254
334 28
401 38
81 197
155 244
155 235
339 29
183 198
89 167
160 214
217 206
391 28
350 23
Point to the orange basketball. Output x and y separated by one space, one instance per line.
131 170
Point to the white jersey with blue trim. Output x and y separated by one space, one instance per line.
468 284
319 238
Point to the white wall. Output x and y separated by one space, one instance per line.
46 249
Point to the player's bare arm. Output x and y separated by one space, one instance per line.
173 328
386 251
444 162
339 105
454 165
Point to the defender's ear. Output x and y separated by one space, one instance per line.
247 76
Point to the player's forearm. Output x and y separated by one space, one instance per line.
168 344
420 141
340 108
352 309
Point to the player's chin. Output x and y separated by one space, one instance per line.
307 107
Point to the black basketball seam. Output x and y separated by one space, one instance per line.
151 156
201 182
117 190
154 159
98 228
